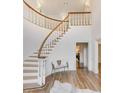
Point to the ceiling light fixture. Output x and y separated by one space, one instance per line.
86 6
39 5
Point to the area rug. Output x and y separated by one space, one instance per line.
59 87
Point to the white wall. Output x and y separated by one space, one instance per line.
96 30
33 36
99 53
96 18
66 48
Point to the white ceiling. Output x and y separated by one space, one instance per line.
59 8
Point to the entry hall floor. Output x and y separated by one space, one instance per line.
81 78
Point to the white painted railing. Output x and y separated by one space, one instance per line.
36 17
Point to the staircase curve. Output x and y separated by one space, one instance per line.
31 67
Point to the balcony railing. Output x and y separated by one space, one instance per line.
79 18
36 17
73 19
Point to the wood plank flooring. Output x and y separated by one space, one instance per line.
81 78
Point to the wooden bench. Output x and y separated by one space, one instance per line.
59 66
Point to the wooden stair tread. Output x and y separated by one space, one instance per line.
30 71
45 53
30 60
41 53
43 57
29 77
48 47
34 56
30 85
30 65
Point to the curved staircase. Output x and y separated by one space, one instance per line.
31 66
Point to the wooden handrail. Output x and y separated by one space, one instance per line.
39 12
61 21
79 12
40 49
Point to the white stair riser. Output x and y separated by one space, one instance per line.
32 58
30 81
30 68
34 63
30 74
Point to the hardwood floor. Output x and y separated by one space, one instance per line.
81 78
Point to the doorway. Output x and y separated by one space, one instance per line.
81 55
